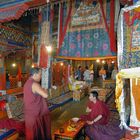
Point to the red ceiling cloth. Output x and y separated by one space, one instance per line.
12 12
35 3
15 12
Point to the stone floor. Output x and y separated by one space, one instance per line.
75 109
67 111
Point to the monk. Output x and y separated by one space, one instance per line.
97 119
37 115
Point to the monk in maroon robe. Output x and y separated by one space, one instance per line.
37 115
97 119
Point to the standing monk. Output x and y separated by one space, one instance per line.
37 115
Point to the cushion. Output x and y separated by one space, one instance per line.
15 109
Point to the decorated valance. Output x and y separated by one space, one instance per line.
9 3
13 9
89 58
13 12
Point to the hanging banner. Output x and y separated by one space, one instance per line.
43 57
45 78
87 34
128 38
45 33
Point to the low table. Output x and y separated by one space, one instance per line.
68 135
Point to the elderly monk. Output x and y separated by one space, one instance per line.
37 115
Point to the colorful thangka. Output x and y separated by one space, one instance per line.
129 52
87 35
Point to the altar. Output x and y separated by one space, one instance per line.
70 131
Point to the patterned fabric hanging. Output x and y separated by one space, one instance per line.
87 34
12 13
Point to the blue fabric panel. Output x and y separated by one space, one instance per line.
4 135
86 43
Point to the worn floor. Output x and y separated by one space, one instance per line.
67 111
74 109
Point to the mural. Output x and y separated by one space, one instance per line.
86 35
87 16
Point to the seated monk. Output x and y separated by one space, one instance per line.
97 119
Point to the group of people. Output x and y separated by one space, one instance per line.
103 73
86 74
37 115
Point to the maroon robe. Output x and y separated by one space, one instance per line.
98 108
101 130
37 115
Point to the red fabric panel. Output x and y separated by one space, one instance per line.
43 57
40 17
111 31
13 124
2 105
34 3
2 81
103 13
127 17
61 32
19 72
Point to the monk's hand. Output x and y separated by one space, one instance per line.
90 122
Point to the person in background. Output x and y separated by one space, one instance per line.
97 121
102 73
37 115
114 73
87 77
7 80
78 74
91 76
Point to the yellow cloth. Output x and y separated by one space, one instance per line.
119 84
74 85
119 87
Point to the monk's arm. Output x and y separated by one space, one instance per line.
36 88
88 110
97 118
